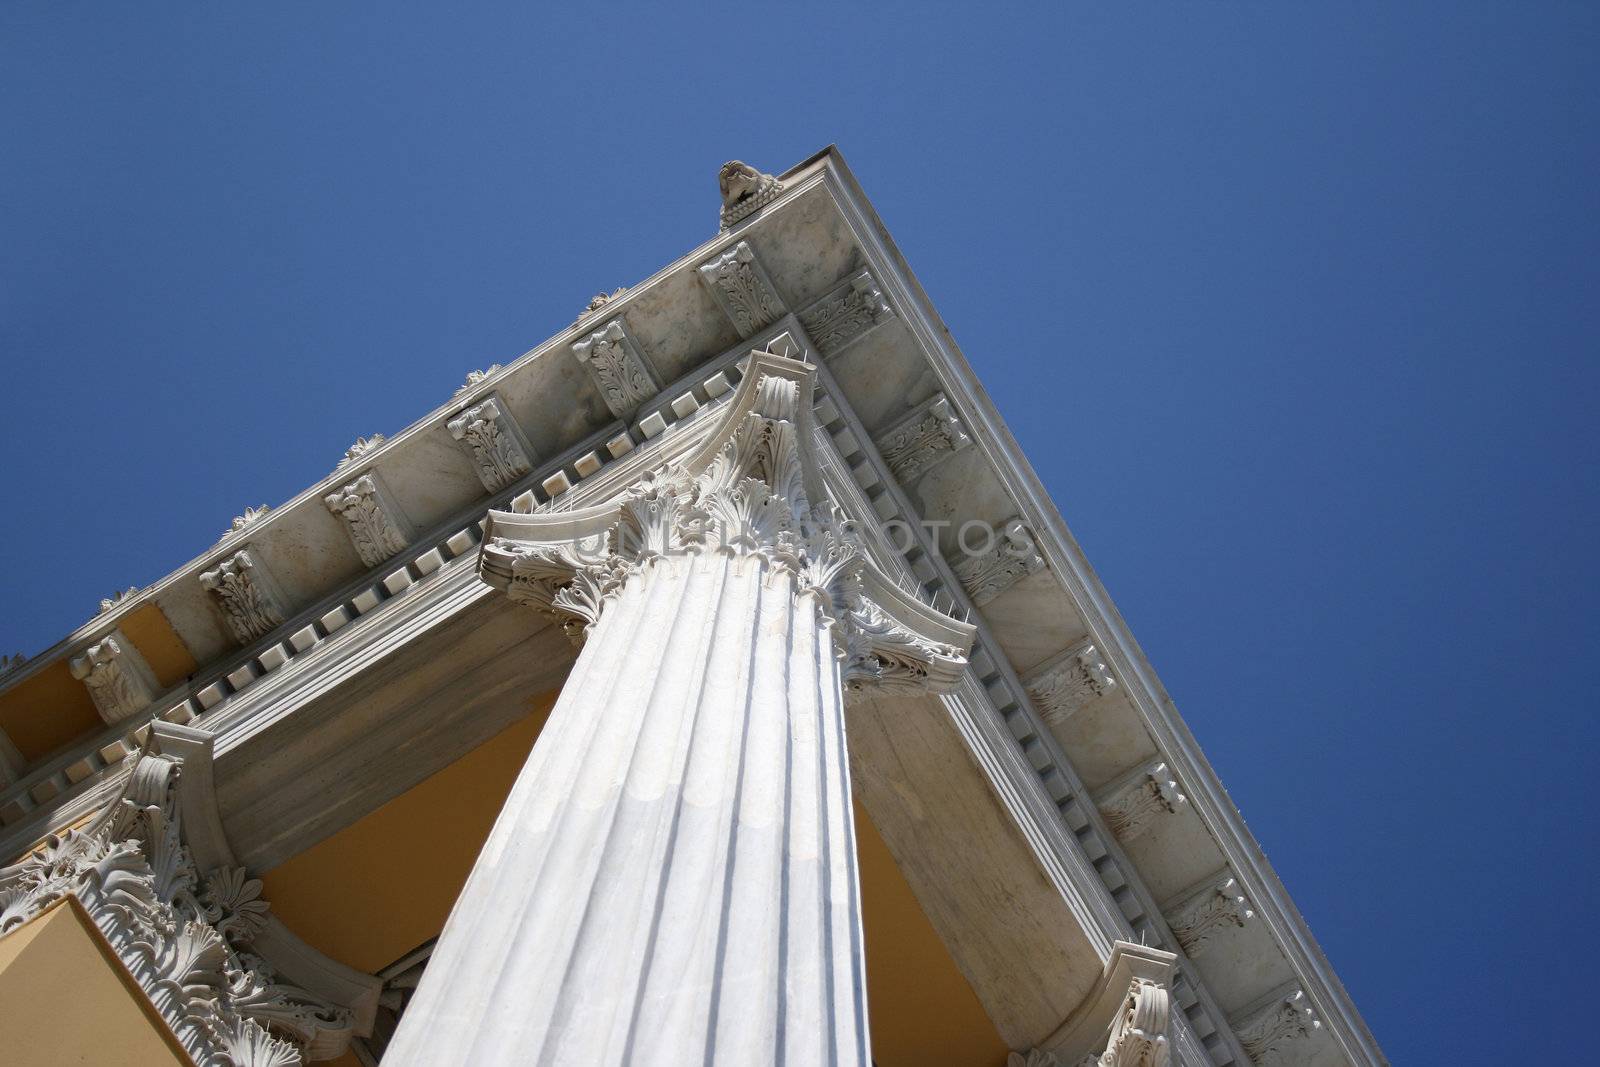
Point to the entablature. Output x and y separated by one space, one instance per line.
1059 704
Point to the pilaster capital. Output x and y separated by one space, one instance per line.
187 922
1124 1020
751 488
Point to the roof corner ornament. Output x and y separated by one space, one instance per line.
745 191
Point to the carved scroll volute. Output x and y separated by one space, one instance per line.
752 487
155 875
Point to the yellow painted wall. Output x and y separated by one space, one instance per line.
159 644
921 1010
46 711
52 708
67 1001
385 884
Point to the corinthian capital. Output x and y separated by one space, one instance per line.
752 488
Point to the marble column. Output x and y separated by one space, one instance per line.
673 878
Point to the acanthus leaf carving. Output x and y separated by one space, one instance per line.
618 371
497 449
358 451
119 681
182 936
1271 1030
250 516
1201 916
1131 809
846 313
747 496
476 378
1011 556
1064 685
742 288
745 191
370 519
930 433
1139 1035
249 604
598 301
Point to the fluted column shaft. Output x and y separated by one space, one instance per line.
673 877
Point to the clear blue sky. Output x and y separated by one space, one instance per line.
1295 310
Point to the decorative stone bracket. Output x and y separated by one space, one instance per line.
249 601
1197 917
376 526
845 313
1132 805
1271 1031
499 452
1012 557
742 289
117 677
156 875
928 435
1060 687
617 368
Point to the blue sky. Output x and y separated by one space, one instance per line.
1294 309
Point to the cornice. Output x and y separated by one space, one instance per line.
245 692
1106 625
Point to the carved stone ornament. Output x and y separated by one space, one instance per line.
370 518
745 191
1139 1035
107 603
1062 686
1268 1033
357 451
846 313
749 490
497 449
476 378
598 301
742 288
242 590
191 939
1034 1057
613 361
11 662
1133 807
1200 917
930 433
241 521
1011 556
117 677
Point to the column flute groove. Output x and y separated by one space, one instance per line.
673 878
